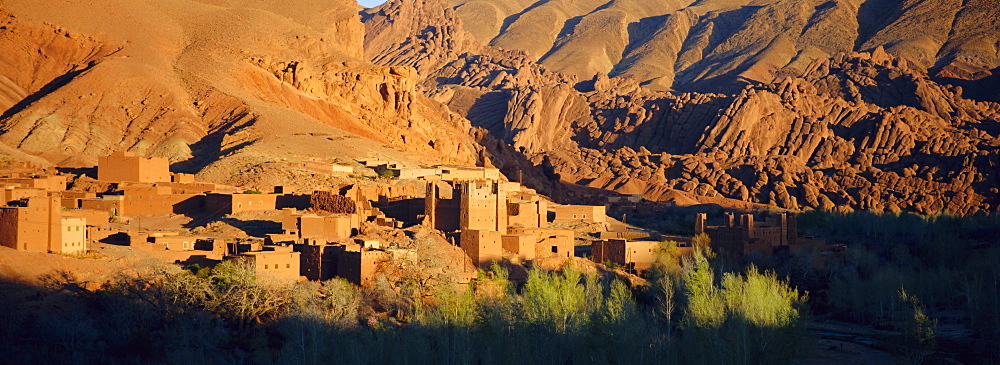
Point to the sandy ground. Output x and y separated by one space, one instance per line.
103 264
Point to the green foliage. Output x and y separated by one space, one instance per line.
387 174
750 318
555 301
252 191
703 242
760 299
611 265
917 328
705 306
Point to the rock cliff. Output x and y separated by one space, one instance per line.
218 86
838 129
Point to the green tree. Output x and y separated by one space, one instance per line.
917 339
555 301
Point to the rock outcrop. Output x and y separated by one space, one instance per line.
848 130
220 87
722 45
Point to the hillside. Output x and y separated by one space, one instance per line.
711 45
798 105
218 86
832 129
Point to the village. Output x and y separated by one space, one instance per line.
320 235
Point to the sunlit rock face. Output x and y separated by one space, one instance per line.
783 103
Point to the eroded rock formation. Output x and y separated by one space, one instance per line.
835 130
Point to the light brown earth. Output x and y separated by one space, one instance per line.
218 86
800 105
845 105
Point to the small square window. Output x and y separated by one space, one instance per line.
265 266
555 249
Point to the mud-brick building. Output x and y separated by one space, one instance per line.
145 200
125 166
579 213
73 232
483 247
46 182
319 262
527 210
359 265
633 255
36 224
334 227
14 193
353 262
237 203
749 236
281 263
156 200
538 243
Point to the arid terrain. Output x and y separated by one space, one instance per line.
791 104
831 105
499 181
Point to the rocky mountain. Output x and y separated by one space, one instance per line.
842 104
822 126
713 45
221 87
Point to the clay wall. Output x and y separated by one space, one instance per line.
319 262
482 247
579 213
482 206
359 266
71 199
280 239
47 210
74 236
407 211
274 264
293 201
555 245
641 254
290 221
189 188
452 173
338 226
613 251
12 231
237 203
441 207
219 248
34 228
311 226
751 236
108 203
94 218
520 245
623 235
158 200
47 183
177 243
123 166
528 214
182 178
12 193
333 203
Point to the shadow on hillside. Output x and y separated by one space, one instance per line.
257 228
213 146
